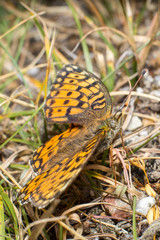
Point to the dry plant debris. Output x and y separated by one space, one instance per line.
114 40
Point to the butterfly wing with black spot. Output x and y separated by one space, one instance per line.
49 153
48 185
77 96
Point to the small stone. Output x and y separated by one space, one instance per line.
139 90
145 204
157 80
144 133
150 79
111 207
155 93
33 72
134 123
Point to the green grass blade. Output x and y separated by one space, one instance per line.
2 225
111 47
18 114
10 207
134 218
26 220
9 139
84 44
17 68
149 140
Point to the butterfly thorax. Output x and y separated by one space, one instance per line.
111 127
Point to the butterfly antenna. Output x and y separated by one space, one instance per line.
125 103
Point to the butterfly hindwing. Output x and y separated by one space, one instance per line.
44 157
48 185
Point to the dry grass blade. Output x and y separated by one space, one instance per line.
45 218
114 40
10 177
152 34
13 99
136 94
21 23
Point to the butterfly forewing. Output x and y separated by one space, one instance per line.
77 96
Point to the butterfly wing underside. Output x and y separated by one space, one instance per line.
46 155
77 96
48 185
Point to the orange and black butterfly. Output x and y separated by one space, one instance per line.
77 97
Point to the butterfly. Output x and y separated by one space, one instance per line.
80 98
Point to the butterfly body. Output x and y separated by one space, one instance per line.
80 98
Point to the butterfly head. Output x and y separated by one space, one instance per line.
115 123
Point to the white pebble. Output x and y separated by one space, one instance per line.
134 123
